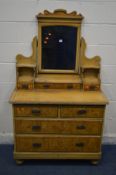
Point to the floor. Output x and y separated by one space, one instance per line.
57 167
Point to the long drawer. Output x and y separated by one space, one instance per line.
83 127
35 110
57 144
82 111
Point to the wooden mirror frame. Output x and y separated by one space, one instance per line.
29 68
57 18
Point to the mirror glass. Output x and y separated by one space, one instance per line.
59 47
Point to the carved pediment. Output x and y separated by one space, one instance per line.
61 13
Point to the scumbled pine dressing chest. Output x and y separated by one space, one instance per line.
58 104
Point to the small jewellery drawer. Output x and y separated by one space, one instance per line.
57 86
57 144
35 111
82 111
58 127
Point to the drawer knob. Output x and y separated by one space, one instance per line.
70 86
36 145
25 86
81 127
80 144
36 111
82 112
36 128
46 86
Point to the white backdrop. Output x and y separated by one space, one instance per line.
18 26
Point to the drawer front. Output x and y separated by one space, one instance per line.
57 86
58 127
25 86
35 110
82 111
57 144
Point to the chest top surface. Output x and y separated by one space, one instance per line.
58 97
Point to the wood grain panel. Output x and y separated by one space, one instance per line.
82 111
54 144
58 127
57 86
35 110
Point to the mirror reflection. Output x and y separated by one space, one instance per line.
59 47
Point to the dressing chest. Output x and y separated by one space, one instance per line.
58 104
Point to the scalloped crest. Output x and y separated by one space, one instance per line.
60 13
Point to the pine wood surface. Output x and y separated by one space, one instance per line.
91 80
62 111
59 14
23 61
36 110
57 143
57 86
58 78
20 156
34 126
82 111
54 96
25 78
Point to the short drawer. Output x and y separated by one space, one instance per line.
58 127
35 110
57 86
57 144
82 111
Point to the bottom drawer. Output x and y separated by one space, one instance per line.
57 144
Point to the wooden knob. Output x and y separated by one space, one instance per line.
70 86
36 111
36 128
80 144
25 86
46 86
81 127
81 112
36 145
